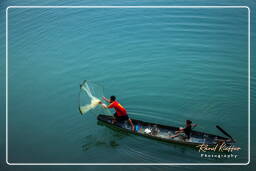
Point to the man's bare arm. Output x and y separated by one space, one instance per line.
103 105
107 100
194 125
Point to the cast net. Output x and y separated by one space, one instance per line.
90 96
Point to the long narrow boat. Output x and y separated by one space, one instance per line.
163 133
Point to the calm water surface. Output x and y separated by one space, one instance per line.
164 66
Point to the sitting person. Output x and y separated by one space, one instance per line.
187 130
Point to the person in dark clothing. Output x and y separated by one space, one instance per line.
187 130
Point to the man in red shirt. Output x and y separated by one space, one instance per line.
121 113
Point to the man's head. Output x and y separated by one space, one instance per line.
188 122
112 98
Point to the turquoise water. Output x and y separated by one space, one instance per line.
164 66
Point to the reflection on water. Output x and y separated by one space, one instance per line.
93 141
107 138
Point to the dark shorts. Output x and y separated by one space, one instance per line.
187 132
121 118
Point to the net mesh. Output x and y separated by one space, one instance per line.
90 96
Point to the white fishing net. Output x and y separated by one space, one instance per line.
90 96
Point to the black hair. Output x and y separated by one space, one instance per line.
113 98
188 121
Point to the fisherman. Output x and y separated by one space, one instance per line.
187 130
121 113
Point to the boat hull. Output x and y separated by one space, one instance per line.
163 132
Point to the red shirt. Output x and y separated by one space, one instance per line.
120 110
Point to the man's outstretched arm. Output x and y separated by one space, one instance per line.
194 125
107 100
103 105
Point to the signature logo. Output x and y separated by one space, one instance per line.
223 147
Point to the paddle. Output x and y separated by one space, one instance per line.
224 132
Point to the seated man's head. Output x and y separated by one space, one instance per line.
112 99
188 122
